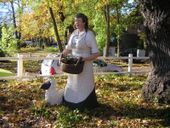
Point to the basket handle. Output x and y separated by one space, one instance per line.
79 60
61 56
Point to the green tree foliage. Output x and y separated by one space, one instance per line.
34 20
99 28
8 41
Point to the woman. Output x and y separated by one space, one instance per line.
80 89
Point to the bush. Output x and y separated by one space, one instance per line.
2 54
51 49
29 49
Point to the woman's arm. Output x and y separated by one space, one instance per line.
93 56
66 51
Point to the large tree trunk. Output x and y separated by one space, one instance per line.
157 24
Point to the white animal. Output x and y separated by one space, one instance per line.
53 95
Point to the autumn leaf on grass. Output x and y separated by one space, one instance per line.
99 122
39 104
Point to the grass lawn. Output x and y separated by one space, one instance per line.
121 106
22 103
4 73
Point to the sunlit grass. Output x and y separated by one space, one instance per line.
119 96
4 73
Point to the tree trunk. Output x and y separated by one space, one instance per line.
118 36
157 25
107 17
55 29
13 17
14 23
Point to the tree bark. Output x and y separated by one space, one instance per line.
14 23
13 17
55 29
157 25
107 17
118 22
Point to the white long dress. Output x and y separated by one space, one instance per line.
80 86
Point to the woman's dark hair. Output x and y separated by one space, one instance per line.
84 19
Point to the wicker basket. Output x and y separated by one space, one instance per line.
71 65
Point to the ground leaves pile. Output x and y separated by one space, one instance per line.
22 105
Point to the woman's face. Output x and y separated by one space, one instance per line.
79 24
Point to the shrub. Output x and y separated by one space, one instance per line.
2 54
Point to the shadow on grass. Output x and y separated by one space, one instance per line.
103 111
134 111
128 87
122 87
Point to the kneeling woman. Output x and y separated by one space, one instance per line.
80 89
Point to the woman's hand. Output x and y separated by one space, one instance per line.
66 51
